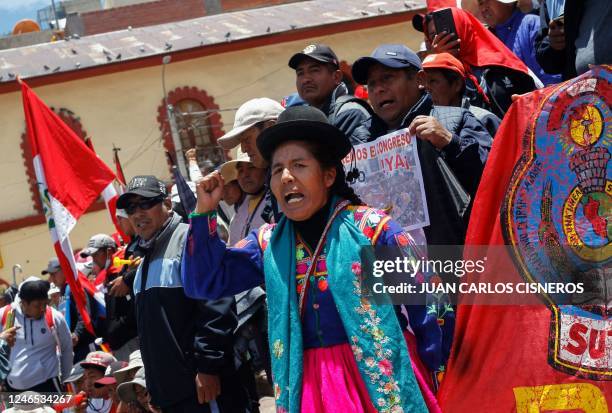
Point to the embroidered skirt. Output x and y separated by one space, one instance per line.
332 382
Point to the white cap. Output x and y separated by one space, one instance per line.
248 114
54 289
228 169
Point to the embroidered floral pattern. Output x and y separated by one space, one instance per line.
378 367
303 258
278 349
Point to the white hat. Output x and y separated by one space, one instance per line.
54 289
228 169
134 362
127 392
248 114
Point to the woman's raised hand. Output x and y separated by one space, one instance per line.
210 192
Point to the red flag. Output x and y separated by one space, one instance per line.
70 178
548 171
433 5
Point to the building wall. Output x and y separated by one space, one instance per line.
141 15
121 108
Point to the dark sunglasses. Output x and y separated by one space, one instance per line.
145 204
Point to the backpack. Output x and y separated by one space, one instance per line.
500 83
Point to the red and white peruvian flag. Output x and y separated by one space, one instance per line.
70 177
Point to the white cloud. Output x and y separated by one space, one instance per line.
16 5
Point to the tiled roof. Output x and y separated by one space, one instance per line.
132 44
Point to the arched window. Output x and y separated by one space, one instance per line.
198 125
69 119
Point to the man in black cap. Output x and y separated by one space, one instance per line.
186 344
451 140
319 83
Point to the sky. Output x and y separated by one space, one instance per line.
11 11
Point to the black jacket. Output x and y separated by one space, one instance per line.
180 336
349 117
560 61
466 155
121 311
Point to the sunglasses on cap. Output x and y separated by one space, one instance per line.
144 204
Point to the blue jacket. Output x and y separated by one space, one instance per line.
519 35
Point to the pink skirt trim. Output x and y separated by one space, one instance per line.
332 382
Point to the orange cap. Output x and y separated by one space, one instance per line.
444 61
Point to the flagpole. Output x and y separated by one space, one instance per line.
176 140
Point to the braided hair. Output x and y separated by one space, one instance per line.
340 187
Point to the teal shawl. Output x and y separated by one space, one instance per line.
373 330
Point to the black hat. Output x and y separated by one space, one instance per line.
146 186
318 52
303 123
34 289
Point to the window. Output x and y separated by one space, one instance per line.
198 124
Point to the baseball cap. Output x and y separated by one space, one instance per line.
109 377
444 61
52 266
98 360
75 374
395 56
319 52
418 22
249 114
229 169
97 242
146 186
134 362
34 288
127 392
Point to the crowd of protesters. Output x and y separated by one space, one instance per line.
208 307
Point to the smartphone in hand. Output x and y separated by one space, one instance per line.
444 22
